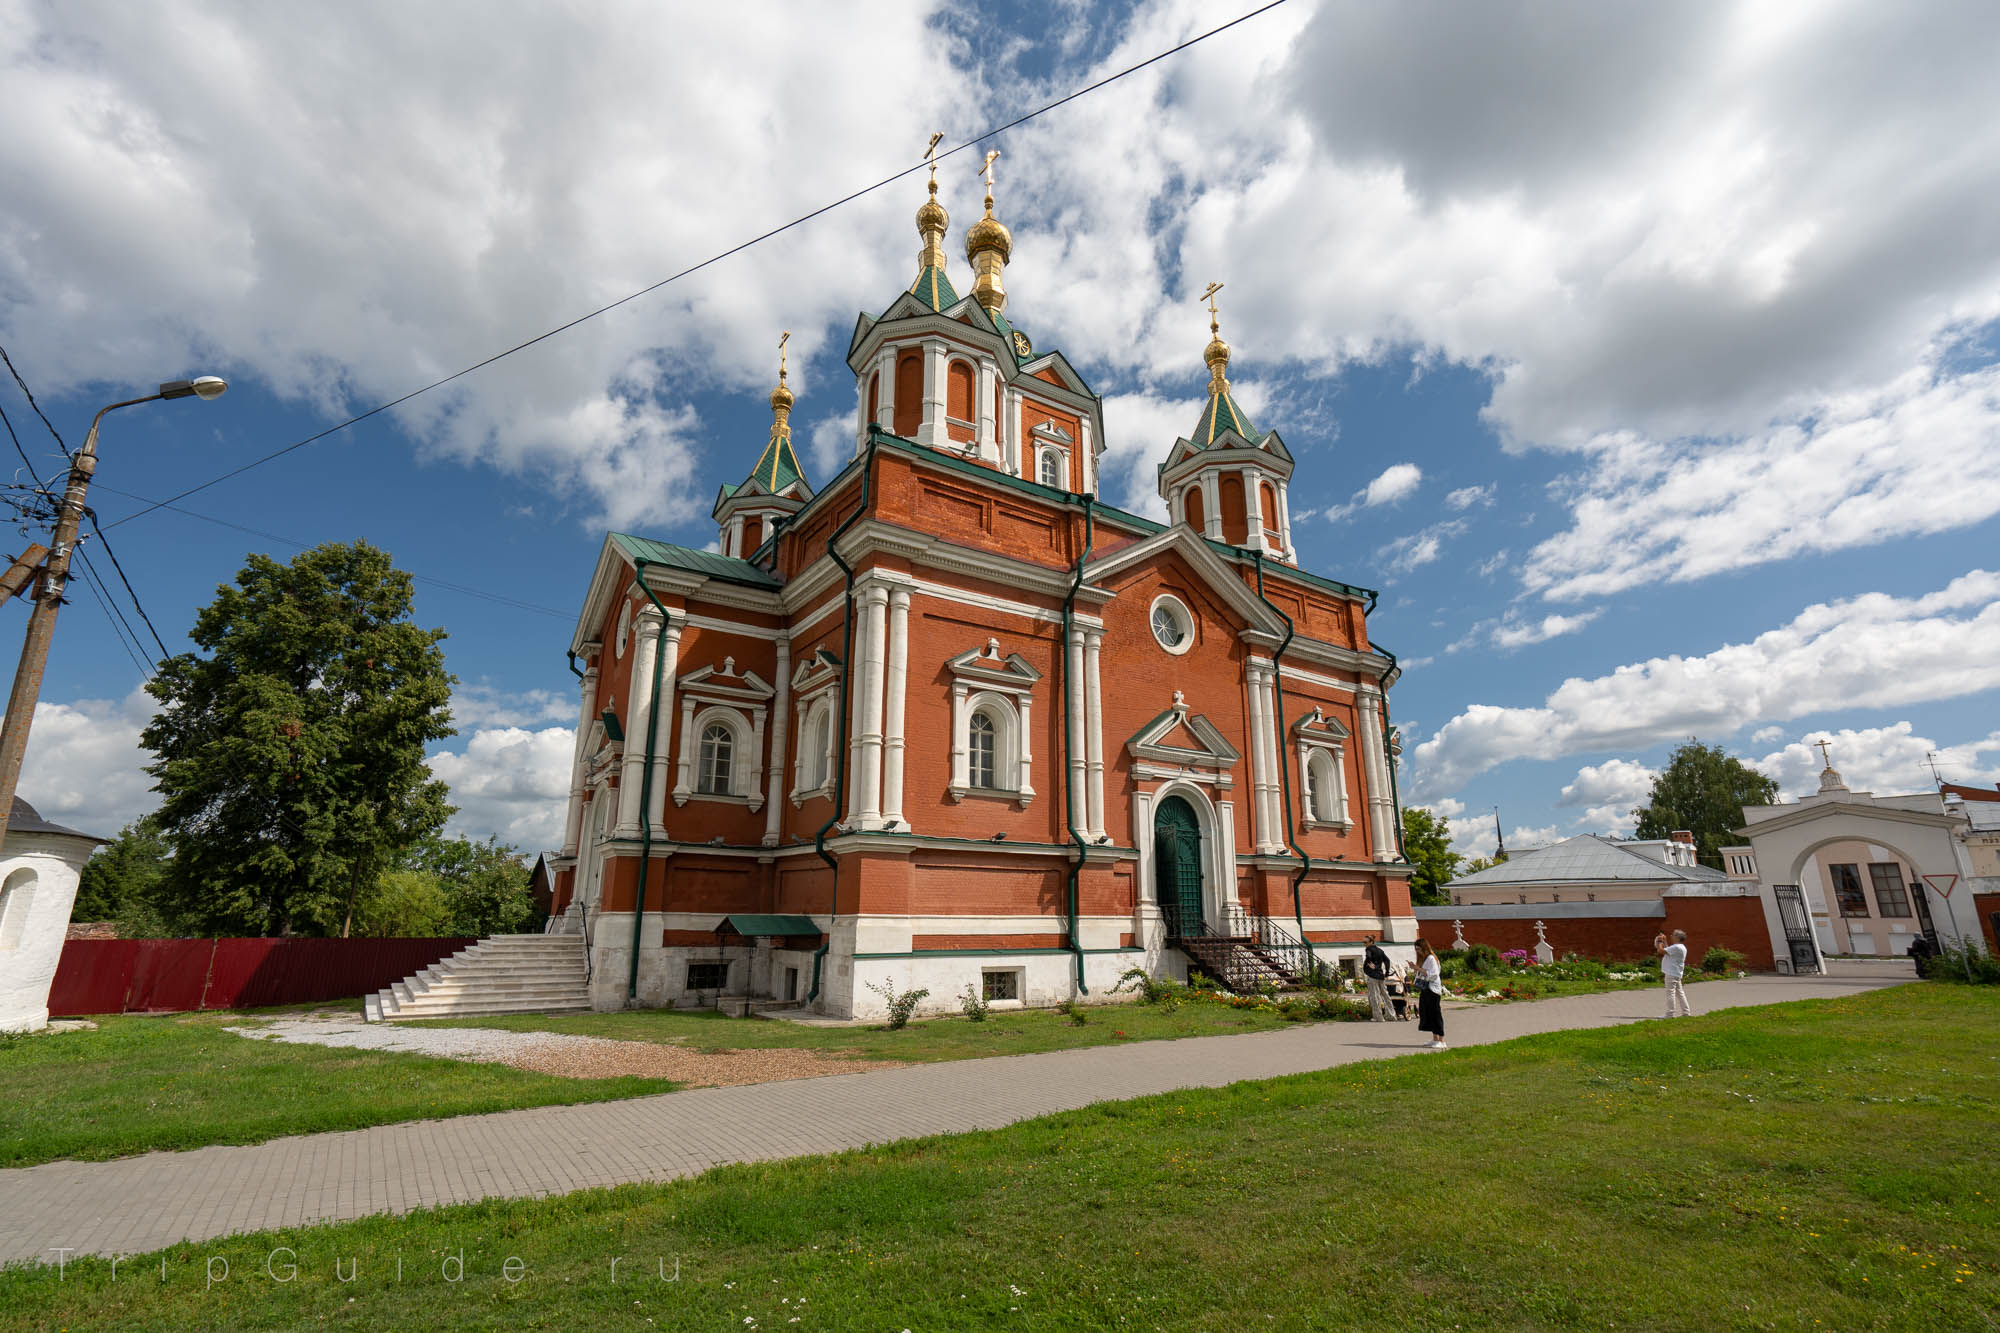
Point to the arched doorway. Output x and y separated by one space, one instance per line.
1177 867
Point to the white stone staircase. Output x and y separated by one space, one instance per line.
501 974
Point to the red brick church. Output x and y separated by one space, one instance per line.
951 721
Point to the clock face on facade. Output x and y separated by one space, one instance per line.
1022 347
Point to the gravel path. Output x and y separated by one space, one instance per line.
567 1056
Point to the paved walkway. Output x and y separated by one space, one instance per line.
143 1203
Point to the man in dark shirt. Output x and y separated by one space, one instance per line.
1375 968
1920 951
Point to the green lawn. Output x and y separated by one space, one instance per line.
1018 1032
180 1081
1822 1164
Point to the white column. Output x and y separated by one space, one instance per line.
1274 777
781 715
1260 770
586 714
1073 699
1093 731
690 745
1013 440
639 691
663 727
894 688
1089 457
1285 521
988 416
866 805
1024 781
932 431
1211 505
1253 509
1225 853
961 761
736 536
885 398
1374 774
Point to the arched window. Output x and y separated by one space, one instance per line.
958 391
819 748
983 751
909 398
718 760
1051 469
17 899
1320 788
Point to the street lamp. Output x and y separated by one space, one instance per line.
55 574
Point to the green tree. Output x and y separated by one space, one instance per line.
403 905
1703 790
485 884
1427 844
291 756
122 882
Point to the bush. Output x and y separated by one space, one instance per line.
1484 959
1953 964
900 1006
1719 960
1163 991
1072 1009
1320 1005
973 1003
1573 967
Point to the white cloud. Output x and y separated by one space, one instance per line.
381 197
1392 485
481 705
1467 496
1871 651
1765 735
1525 838
1616 781
1515 634
510 781
84 766
1422 547
1885 760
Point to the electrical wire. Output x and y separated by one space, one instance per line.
32 403
112 555
733 250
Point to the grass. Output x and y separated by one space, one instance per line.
1819 1164
1019 1032
180 1081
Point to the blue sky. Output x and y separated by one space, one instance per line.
1649 371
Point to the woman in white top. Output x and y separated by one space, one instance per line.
1430 995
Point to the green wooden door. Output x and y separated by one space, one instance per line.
1177 867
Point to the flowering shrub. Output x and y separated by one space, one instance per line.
973 1003
1518 958
900 1006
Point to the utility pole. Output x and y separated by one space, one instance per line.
49 596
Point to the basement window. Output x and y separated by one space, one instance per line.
1001 985
708 976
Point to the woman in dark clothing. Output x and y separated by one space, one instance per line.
1430 995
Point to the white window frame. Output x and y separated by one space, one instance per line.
1060 457
1322 740
1180 611
739 700
742 763
1020 975
1004 689
815 691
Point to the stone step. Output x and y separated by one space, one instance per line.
484 1010
500 974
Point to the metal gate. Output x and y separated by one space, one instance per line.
1177 868
1798 927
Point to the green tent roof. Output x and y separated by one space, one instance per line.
934 289
777 467
706 563
1220 415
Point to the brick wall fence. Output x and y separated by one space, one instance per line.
1615 931
163 976
1988 906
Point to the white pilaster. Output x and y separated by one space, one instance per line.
690 747
1285 522
662 724
885 400
639 691
586 714
1274 746
1093 731
1225 873
1374 775
1211 505
1012 443
781 715
932 431
1024 782
1073 692
894 689
988 415
867 803
1260 768
1089 456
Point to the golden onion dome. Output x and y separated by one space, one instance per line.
781 397
932 217
989 233
1216 355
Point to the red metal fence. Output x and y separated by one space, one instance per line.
162 976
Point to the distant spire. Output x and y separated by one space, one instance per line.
1829 779
1499 839
1221 412
778 466
988 247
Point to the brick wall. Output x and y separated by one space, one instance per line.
1734 923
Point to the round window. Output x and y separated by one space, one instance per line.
1172 625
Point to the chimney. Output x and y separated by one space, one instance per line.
1683 835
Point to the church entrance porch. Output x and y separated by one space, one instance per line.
1177 877
1245 953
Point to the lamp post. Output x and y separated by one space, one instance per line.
55 575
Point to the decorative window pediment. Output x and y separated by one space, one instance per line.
1181 743
726 682
1321 742
992 700
722 735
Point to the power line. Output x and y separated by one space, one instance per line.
733 250
32 403
112 555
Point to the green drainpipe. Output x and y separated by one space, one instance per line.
1395 792
1285 767
1069 742
846 692
646 778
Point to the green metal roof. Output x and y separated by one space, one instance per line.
706 563
765 923
1220 415
934 289
777 467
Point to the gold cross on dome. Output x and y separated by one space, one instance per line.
783 338
987 170
1824 756
1209 296
930 151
